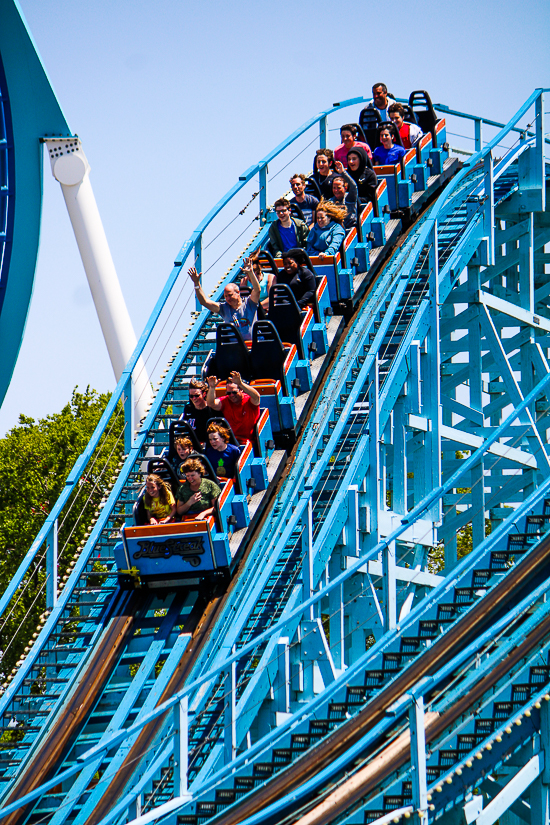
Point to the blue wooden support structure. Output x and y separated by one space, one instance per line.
383 648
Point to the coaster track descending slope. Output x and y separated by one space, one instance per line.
282 686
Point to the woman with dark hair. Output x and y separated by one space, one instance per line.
348 135
323 170
297 276
197 495
360 169
327 233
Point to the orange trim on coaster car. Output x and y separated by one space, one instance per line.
389 169
366 212
172 529
244 455
306 322
227 487
267 386
262 420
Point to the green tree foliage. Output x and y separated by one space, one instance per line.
35 460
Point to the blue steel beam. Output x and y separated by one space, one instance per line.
29 110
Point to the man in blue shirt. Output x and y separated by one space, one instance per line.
286 232
388 152
232 309
307 203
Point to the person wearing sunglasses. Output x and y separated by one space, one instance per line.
240 406
197 413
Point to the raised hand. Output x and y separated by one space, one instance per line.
195 276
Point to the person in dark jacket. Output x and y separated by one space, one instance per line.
323 170
344 195
286 232
360 169
297 276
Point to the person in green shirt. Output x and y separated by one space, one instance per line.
197 495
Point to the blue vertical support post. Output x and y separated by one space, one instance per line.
323 133
230 717
389 583
539 150
531 173
51 567
489 206
336 609
307 563
352 522
128 414
539 792
282 691
181 746
399 494
478 124
307 592
476 403
263 193
373 472
418 756
432 386
527 265
198 263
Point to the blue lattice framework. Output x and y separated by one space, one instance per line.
434 417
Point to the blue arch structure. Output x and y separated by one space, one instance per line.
29 111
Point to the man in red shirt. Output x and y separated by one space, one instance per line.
240 406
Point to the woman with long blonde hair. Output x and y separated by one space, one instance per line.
158 500
327 233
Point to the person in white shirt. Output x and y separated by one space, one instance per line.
381 100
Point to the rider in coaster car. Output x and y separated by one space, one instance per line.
360 169
387 153
297 276
348 134
240 406
328 232
222 455
158 500
286 232
197 495
232 309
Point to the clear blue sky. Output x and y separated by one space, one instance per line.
173 100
